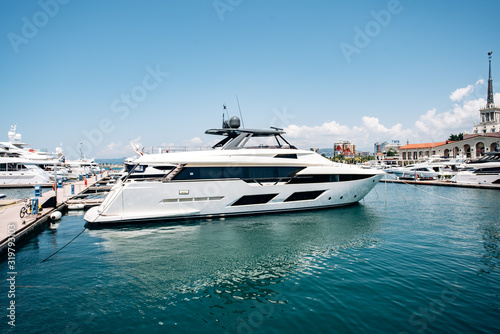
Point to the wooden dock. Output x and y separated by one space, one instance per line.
12 225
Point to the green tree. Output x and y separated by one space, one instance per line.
458 137
392 153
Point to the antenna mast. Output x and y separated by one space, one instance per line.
241 116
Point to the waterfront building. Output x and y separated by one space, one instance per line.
345 148
485 137
379 147
385 146
490 114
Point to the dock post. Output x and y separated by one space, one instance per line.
34 206
38 191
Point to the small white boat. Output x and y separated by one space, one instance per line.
485 170
415 172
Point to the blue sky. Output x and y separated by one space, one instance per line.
158 72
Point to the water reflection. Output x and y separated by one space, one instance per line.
490 233
237 259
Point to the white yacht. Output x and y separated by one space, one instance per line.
485 170
82 166
15 148
416 171
21 172
232 179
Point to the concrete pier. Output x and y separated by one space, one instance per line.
12 225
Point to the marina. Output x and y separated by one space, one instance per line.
12 225
427 257
348 182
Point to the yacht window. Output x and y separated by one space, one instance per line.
202 173
289 156
304 195
254 199
139 169
3 167
165 168
322 178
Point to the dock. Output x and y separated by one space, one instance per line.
12 225
443 183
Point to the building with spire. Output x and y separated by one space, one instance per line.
490 114
485 137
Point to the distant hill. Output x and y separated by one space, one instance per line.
326 151
117 161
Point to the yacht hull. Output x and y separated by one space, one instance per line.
468 177
145 201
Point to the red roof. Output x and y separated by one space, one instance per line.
425 145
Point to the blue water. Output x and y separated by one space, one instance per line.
407 259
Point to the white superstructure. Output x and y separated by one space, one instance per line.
232 179
19 171
485 170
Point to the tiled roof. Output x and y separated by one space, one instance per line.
425 145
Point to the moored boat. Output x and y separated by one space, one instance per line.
234 178
485 170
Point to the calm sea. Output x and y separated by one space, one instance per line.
407 259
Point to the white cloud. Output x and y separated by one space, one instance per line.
119 149
461 93
430 126
196 141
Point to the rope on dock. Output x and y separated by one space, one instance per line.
11 204
449 199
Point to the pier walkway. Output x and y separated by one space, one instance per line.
11 224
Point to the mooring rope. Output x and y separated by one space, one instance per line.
60 249
449 199
48 257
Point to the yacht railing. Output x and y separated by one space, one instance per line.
172 149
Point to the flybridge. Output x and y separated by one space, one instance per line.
237 138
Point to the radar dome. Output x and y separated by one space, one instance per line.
234 122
